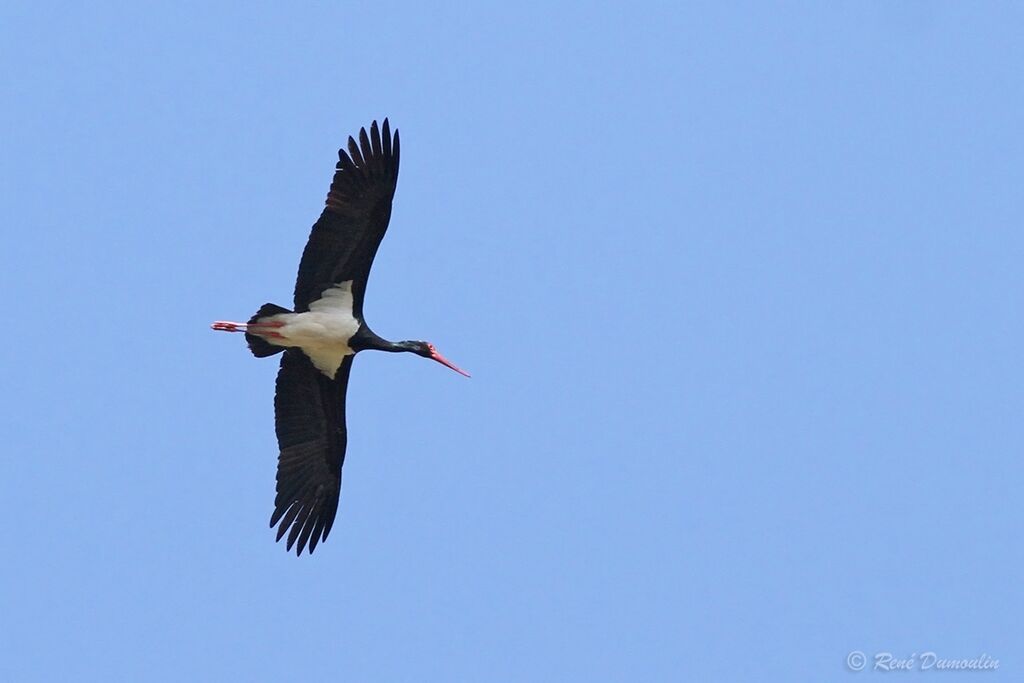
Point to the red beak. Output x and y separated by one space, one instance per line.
444 361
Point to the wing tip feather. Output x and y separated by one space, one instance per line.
364 163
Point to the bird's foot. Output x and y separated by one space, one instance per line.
228 326
267 329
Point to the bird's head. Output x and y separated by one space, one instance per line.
427 350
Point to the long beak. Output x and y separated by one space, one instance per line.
444 361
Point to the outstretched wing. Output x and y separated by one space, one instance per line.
344 240
309 409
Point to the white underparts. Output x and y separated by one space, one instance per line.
322 332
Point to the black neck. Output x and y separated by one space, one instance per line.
367 340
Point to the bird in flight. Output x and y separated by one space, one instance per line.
321 335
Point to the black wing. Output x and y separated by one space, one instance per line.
309 410
344 240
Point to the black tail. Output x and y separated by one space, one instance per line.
259 346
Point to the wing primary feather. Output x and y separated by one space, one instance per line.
332 512
353 151
276 516
300 520
387 138
286 522
318 529
345 163
307 528
375 140
364 143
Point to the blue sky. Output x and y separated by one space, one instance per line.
740 288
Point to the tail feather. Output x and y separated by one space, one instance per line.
259 346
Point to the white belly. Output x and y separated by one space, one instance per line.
322 332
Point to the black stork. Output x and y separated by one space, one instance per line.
322 334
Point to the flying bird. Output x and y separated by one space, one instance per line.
321 335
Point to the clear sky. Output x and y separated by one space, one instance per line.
739 284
